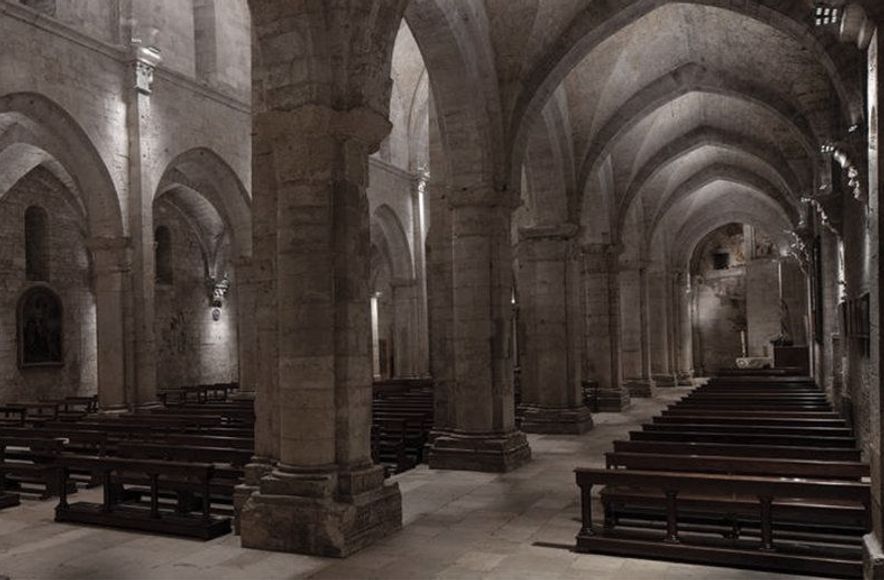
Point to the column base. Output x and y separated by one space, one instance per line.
685 379
873 558
492 452
550 421
640 388
327 514
613 400
259 468
665 381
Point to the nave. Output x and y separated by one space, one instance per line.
457 524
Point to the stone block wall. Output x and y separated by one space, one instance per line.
192 348
69 277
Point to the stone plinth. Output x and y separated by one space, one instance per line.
873 558
313 513
685 379
570 421
613 400
641 388
491 452
665 381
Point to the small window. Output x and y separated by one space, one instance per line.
163 256
36 244
721 260
46 7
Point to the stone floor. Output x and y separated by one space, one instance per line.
457 525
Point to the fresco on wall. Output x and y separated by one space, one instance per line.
39 328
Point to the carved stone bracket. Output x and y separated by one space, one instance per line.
217 291
830 208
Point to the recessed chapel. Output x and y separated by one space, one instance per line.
441 289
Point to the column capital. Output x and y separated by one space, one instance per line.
482 197
360 124
564 231
110 254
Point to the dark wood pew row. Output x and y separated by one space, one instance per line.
719 419
763 434
121 508
766 496
402 418
27 465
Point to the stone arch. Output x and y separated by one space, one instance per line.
730 174
596 23
459 61
203 171
710 136
43 125
686 242
689 78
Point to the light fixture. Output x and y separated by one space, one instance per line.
826 15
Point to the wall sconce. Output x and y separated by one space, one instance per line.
217 291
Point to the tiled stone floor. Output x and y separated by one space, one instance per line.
457 525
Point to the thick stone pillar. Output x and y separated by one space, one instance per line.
602 327
111 271
873 553
659 333
246 325
324 496
634 319
478 430
552 315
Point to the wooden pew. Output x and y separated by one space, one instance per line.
693 546
738 450
730 420
752 429
743 438
27 467
183 479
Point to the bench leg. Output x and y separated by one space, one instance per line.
671 518
766 524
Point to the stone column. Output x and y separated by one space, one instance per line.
873 554
684 350
602 328
111 270
405 312
246 325
551 314
421 336
142 186
636 356
659 339
324 496
479 430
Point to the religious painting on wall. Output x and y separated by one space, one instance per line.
40 328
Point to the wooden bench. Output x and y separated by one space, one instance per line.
803 557
743 438
738 450
183 479
751 429
27 465
12 416
728 420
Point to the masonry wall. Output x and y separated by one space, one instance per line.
720 303
192 348
69 277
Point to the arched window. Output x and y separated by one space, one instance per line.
163 256
40 328
36 244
